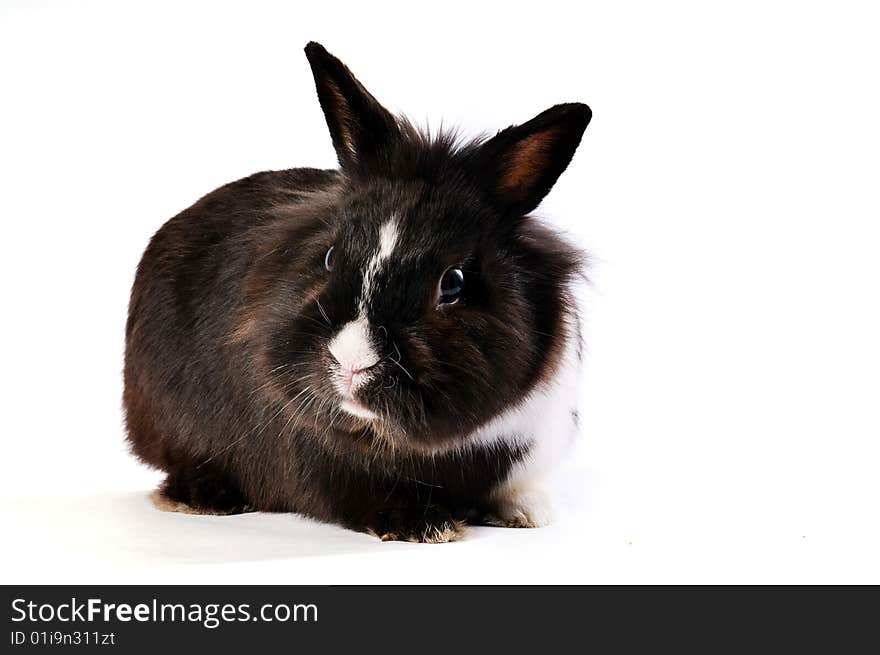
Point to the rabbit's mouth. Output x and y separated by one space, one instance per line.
353 365
358 409
347 383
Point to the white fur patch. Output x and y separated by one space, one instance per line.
542 422
352 346
388 235
520 508
387 239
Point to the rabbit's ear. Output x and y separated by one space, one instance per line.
521 164
359 126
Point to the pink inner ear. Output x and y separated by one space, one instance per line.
343 117
526 162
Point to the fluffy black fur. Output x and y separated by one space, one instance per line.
227 384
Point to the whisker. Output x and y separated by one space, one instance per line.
323 313
397 361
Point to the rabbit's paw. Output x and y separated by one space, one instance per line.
416 524
520 509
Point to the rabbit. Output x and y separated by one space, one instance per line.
392 347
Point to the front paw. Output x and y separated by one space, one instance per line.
520 509
418 524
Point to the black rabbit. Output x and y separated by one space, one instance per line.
392 346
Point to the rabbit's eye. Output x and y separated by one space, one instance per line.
451 285
328 259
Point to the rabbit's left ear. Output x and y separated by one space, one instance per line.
521 164
359 126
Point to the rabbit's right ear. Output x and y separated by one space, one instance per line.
360 127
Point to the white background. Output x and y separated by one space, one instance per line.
727 189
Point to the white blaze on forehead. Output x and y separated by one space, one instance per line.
352 346
388 234
387 239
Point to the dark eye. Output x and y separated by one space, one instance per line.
451 285
328 259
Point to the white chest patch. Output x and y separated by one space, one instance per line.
544 422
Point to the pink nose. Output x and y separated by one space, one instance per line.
352 377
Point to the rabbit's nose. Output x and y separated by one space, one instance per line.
352 348
352 378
